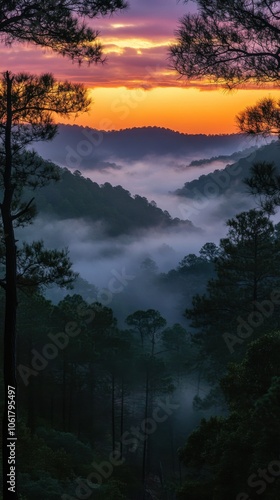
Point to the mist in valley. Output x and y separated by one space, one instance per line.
98 257
139 268
115 266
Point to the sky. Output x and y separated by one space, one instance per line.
136 86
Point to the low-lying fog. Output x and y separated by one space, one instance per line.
156 178
99 258
96 255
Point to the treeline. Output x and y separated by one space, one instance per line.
236 456
229 180
96 402
102 406
223 158
133 144
118 211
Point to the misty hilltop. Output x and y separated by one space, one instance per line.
228 159
151 163
113 208
81 148
229 180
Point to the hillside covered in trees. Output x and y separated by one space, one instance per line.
114 207
139 306
69 148
229 181
148 369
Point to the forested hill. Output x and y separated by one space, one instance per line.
77 197
83 147
227 159
230 179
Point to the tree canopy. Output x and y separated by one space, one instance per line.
59 26
230 42
261 119
247 270
27 104
228 457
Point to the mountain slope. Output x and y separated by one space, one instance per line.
230 179
85 148
119 213
226 159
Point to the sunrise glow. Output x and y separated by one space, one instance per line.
136 86
186 110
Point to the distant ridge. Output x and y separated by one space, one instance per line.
223 158
81 148
230 179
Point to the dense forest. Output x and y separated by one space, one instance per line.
155 376
119 402
114 208
134 144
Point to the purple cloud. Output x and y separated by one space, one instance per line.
150 22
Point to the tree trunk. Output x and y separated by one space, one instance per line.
146 436
31 408
30 397
10 401
122 415
113 413
64 395
52 409
71 395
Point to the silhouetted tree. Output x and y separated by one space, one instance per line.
59 26
27 103
209 252
147 323
250 430
261 119
230 42
264 184
247 271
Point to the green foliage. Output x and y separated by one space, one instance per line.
247 269
33 449
111 491
44 487
223 453
80 453
119 212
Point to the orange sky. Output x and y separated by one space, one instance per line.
185 110
136 87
